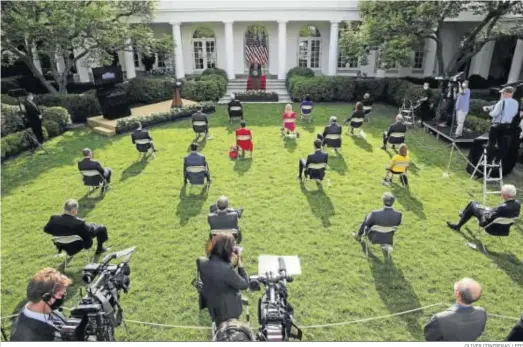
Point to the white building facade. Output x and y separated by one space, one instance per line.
298 33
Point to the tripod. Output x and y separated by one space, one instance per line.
27 134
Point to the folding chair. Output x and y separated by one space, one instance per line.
379 235
356 123
243 138
396 139
196 180
315 167
402 175
94 180
330 138
306 113
146 142
235 112
499 224
200 127
61 241
368 112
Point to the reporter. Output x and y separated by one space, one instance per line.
221 283
39 320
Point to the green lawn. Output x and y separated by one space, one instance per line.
148 208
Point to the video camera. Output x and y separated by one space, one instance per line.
99 311
274 311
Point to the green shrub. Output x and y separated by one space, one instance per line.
79 106
477 124
52 127
476 108
216 71
143 91
27 82
203 90
15 143
298 71
12 120
222 82
58 115
8 100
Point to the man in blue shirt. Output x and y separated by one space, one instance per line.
502 115
462 107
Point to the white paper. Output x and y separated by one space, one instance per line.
269 263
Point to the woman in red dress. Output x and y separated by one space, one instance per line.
289 121
244 138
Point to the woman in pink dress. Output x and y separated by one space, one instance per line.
289 121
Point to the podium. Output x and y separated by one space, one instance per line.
255 73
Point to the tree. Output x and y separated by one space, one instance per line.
93 30
397 28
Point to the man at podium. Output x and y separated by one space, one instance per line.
255 72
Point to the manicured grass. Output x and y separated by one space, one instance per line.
148 208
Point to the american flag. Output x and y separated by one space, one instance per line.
256 48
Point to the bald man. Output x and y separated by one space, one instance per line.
462 321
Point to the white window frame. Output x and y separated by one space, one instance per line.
309 40
418 69
348 68
204 52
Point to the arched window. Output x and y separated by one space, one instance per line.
204 49
309 47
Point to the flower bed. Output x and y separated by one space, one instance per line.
257 95
129 124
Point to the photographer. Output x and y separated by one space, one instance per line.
462 106
502 115
233 331
34 117
450 102
423 109
39 320
221 283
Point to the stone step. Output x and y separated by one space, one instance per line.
104 131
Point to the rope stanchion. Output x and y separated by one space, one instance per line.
168 325
11 316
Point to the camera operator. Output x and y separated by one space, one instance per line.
233 331
34 117
39 320
502 115
221 283
450 98
462 106
423 109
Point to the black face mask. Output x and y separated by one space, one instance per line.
57 303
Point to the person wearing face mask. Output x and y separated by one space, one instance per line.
450 99
462 107
40 319
34 117
423 110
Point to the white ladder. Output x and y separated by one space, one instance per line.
486 174
408 113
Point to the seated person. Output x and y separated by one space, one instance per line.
367 104
289 121
306 106
332 129
69 224
88 163
223 217
140 134
398 165
396 127
195 159
198 120
516 334
510 208
356 118
233 330
244 138
384 217
317 157
237 108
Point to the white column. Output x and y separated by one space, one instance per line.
83 70
333 49
517 63
480 63
282 49
130 71
36 58
430 57
178 51
229 48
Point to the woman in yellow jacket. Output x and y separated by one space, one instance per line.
398 166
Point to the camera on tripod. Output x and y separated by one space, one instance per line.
99 311
275 314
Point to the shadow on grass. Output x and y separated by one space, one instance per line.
362 143
405 198
290 144
135 168
396 293
190 205
320 203
200 140
88 202
308 126
337 163
242 165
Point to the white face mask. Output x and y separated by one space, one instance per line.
425 87
464 85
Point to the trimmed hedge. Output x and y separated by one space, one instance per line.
298 71
16 143
129 124
57 115
79 106
215 71
143 91
8 100
12 120
477 124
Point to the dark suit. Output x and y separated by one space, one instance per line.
67 225
140 134
235 113
396 127
356 115
332 129
29 329
195 159
457 323
221 288
516 334
200 117
318 157
507 209
224 220
384 217
33 114
90 164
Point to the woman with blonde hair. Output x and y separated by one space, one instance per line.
289 121
398 166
